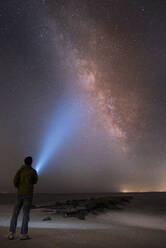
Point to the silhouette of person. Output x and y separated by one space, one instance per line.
24 181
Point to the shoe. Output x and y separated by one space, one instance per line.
11 236
25 237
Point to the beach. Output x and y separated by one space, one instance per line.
140 223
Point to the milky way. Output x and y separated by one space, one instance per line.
107 60
117 108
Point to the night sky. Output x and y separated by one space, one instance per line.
83 89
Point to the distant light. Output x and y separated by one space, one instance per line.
125 191
62 125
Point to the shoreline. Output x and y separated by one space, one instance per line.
141 223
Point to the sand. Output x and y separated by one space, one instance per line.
68 238
142 223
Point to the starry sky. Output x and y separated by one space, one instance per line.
83 87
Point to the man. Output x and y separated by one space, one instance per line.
24 180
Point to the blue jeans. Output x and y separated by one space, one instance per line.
26 202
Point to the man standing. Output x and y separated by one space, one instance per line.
24 180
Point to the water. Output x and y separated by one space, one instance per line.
146 210
46 198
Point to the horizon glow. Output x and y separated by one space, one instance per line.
59 129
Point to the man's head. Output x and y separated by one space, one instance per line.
28 160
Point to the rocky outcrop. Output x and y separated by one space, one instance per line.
82 207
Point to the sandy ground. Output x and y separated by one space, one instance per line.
68 238
140 224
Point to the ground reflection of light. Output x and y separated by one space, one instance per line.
61 127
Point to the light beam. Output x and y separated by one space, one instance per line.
60 128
